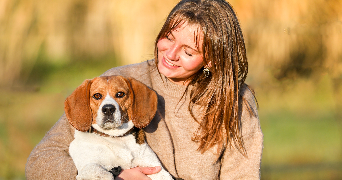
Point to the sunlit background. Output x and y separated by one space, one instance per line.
47 49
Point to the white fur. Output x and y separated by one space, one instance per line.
95 155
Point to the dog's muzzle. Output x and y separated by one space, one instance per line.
109 114
108 110
110 118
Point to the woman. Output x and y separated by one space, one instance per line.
206 126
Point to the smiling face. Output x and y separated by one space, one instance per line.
179 53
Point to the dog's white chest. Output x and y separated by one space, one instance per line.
95 155
107 151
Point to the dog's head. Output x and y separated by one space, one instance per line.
111 104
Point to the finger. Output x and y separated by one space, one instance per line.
150 170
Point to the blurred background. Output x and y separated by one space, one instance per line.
47 49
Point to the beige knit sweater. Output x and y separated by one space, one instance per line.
169 135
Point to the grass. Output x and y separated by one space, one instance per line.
302 138
290 136
24 121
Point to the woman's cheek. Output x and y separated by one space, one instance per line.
192 63
162 44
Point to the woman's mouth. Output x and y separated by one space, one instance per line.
168 63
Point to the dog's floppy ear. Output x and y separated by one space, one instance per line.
144 104
77 107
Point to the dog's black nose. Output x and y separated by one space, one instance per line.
108 109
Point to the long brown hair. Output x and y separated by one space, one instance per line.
224 49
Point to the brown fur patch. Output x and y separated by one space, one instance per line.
77 107
140 136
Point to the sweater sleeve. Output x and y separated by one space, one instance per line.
234 164
50 159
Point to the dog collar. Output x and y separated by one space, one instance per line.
93 130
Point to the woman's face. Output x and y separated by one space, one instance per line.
178 55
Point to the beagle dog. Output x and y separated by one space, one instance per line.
105 112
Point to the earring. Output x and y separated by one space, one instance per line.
206 72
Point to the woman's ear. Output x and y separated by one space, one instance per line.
144 104
77 107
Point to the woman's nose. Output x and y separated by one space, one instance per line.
172 52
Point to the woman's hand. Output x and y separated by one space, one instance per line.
138 173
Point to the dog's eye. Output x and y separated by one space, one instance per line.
97 96
120 94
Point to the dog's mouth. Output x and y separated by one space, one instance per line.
111 119
109 122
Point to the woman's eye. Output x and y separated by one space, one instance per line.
189 54
120 94
97 96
